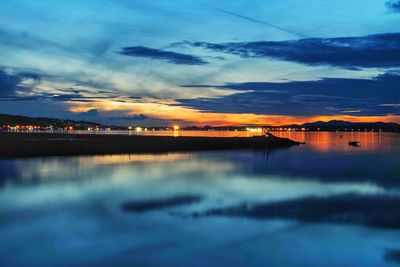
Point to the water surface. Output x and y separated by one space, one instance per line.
161 209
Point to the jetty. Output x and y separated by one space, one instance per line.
59 144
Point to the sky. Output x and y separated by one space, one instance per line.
201 62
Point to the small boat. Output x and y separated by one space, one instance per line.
354 143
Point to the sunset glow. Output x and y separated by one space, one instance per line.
195 117
124 67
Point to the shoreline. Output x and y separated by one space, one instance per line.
19 145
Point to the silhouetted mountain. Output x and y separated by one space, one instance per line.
346 125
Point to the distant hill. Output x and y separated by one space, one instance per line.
334 125
13 121
346 125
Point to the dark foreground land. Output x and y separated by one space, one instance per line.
53 144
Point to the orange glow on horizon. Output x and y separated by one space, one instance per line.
167 111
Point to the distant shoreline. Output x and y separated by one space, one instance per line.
17 123
14 145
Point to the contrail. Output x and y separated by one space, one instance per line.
256 21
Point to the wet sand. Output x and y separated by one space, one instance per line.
56 144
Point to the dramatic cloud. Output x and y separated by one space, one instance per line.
329 96
121 62
380 50
171 57
13 83
8 84
25 86
393 5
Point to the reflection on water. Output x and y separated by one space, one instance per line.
160 203
376 210
325 141
328 141
320 204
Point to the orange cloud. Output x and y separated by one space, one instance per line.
167 111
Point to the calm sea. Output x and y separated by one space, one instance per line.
321 204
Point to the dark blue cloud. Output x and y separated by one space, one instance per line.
380 50
8 84
11 84
328 96
393 5
171 57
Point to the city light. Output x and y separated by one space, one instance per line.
254 130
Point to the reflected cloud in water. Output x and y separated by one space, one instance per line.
139 206
392 255
73 205
381 211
